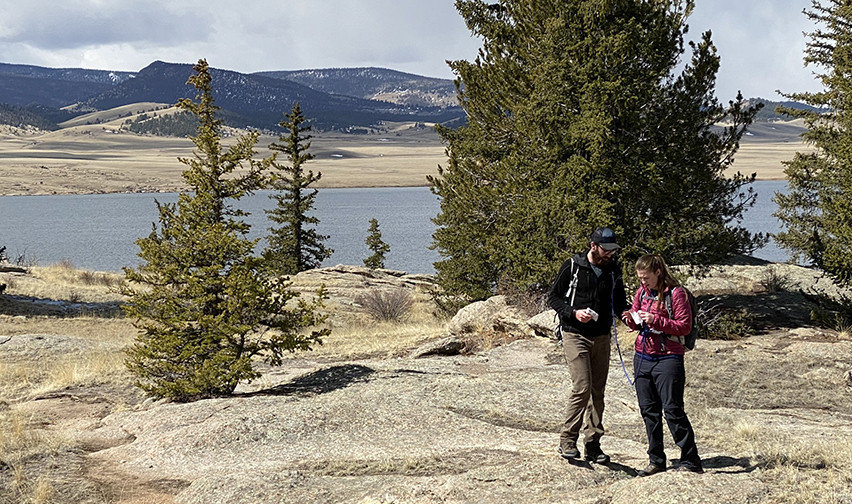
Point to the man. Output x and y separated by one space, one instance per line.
583 294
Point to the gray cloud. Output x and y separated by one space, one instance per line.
759 41
47 25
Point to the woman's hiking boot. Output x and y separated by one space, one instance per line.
691 467
595 454
568 449
651 470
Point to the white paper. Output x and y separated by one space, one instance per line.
636 318
592 313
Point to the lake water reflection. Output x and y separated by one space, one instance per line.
98 232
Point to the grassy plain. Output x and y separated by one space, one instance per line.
95 153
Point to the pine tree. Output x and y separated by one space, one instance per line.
293 245
576 120
378 247
817 211
202 304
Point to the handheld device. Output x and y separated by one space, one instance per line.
592 313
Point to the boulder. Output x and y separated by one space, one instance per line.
494 315
451 345
544 324
477 316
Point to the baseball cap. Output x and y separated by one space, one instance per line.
605 238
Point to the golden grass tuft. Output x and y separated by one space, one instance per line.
376 339
28 379
792 485
18 440
64 274
92 369
800 469
745 432
21 443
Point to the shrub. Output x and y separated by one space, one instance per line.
835 313
389 305
774 281
448 304
530 301
64 264
724 323
92 278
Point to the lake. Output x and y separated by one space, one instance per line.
98 232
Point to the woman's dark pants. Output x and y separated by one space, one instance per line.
659 387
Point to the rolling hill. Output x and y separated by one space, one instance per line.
376 84
247 100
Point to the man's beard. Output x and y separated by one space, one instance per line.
598 258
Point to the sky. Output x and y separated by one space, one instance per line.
760 42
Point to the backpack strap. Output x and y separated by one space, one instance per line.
667 299
572 290
572 287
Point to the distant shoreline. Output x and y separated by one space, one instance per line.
178 190
92 160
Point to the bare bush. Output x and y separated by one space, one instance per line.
65 264
530 301
719 323
88 277
93 278
391 305
774 281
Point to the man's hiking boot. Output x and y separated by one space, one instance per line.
595 454
568 449
651 470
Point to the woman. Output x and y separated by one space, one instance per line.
658 362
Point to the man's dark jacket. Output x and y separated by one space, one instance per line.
592 291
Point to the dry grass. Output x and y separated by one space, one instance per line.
20 443
800 469
795 486
62 281
39 306
94 368
97 356
63 351
368 338
765 159
757 408
92 158
64 275
117 330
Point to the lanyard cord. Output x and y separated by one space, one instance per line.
615 329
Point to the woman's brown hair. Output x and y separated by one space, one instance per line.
654 263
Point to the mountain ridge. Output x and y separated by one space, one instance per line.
356 99
256 100
375 83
